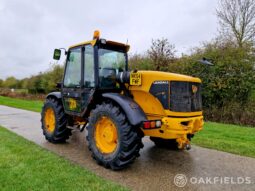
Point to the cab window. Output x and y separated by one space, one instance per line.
73 69
89 78
110 64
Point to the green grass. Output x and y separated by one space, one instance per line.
22 104
26 166
229 138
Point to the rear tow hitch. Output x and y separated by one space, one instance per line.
187 146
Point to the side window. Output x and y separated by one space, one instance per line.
73 68
89 79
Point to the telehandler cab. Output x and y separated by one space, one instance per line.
118 107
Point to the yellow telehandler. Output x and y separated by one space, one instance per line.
117 106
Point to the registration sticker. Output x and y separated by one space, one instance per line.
135 79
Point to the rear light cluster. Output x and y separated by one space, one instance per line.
152 124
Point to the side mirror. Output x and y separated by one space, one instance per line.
57 54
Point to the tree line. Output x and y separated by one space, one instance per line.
42 83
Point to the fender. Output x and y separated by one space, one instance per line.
57 95
132 110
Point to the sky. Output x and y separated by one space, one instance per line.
31 29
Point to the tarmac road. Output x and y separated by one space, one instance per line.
155 169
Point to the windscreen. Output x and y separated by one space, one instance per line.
110 64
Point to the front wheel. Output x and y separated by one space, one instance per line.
114 143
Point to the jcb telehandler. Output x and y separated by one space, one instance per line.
117 106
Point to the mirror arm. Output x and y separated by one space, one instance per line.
59 85
64 50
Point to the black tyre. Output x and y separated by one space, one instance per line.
165 143
54 121
114 143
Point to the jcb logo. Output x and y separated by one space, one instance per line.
72 103
194 89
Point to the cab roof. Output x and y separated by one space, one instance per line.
126 47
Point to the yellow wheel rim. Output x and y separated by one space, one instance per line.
49 120
106 136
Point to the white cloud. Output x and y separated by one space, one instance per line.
30 30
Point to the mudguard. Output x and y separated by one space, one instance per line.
54 95
132 110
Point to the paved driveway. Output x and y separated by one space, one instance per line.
155 169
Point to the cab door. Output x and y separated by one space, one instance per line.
71 89
88 76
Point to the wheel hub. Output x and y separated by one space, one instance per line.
106 135
49 120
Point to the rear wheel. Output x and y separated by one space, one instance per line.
114 143
165 143
54 121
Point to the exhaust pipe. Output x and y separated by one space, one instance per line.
123 77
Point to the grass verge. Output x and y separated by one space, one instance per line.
225 137
229 138
26 166
22 104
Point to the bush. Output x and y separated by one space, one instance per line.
233 112
140 62
231 78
